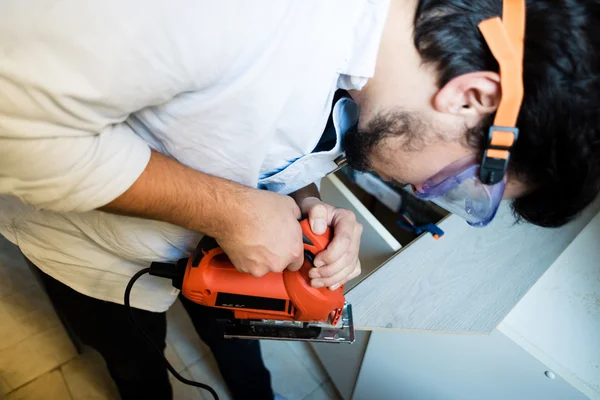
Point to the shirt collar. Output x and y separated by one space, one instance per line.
365 37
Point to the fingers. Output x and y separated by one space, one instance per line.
346 233
339 262
357 271
266 261
297 211
327 273
296 263
349 271
296 255
256 270
267 237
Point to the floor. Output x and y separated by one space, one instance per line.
38 361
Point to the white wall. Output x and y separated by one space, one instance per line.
558 321
427 366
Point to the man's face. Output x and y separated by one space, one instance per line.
400 147
410 128
402 135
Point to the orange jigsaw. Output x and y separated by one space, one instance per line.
276 306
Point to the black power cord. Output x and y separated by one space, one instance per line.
152 344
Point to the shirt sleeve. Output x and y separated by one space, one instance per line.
72 173
71 73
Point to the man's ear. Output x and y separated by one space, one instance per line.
470 96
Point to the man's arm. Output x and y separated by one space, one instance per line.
171 192
257 229
64 142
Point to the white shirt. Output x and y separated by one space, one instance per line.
234 88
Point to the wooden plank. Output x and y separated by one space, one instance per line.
558 320
377 244
467 282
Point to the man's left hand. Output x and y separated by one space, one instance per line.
338 263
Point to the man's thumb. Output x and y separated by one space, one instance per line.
317 217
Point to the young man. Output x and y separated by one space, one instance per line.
127 131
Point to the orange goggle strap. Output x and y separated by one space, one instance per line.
505 38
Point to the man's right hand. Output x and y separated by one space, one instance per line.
262 234
258 230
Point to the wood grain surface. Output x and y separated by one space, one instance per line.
465 283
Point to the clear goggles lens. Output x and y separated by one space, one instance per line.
459 190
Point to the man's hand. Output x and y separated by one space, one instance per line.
263 235
258 230
339 262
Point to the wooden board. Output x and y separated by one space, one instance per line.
467 282
558 321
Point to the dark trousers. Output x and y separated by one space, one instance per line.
136 368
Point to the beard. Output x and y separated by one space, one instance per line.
361 145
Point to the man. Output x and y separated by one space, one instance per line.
128 129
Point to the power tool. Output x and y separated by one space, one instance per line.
277 306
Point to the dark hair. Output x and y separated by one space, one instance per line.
558 151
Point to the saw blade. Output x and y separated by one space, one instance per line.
343 332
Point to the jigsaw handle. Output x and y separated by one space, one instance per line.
311 302
314 244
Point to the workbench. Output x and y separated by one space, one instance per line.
463 286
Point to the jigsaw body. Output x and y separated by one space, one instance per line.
280 306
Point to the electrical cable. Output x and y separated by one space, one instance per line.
152 344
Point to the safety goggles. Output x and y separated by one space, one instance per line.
458 189
471 188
